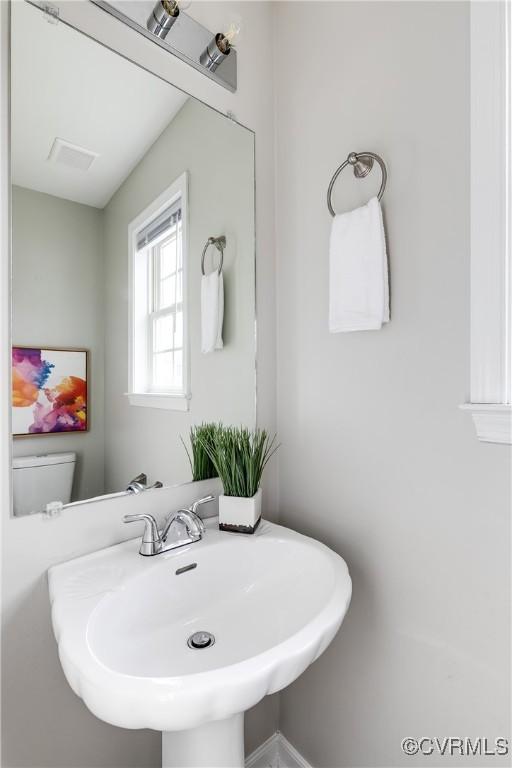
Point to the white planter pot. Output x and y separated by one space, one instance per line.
239 514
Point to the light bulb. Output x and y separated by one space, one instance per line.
171 7
219 47
232 33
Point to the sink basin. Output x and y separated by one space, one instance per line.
272 602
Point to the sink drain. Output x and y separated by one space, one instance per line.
200 640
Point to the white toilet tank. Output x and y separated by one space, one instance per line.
38 480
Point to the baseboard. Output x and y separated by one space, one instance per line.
266 755
276 752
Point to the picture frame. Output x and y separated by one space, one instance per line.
49 390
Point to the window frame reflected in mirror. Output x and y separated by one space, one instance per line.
142 390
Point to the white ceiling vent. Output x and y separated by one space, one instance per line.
73 156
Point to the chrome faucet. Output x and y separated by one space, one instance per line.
155 542
189 518
140 483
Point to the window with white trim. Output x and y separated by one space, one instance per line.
490 390
158 338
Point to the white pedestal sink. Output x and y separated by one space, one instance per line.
272 602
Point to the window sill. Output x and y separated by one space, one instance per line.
154 400
493 423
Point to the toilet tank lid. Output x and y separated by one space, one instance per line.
43 460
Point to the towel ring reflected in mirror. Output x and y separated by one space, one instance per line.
220 244
362 163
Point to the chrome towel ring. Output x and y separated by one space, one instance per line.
220 244
362 163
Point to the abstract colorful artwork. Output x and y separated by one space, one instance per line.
49 390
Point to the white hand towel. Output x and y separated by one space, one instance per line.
358 279
212 311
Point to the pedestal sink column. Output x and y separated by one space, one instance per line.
218 744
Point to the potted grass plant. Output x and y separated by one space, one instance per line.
239 456
201 443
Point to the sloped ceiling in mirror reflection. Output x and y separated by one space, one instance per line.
70 87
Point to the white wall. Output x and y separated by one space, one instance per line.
57 295
376 459
51 727
220 201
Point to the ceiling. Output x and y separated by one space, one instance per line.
67 86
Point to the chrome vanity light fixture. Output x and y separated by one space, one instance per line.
215 52
162 17
218 48
189 40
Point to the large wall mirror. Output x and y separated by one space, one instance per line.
125 190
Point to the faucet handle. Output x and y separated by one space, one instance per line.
151 541
193 507
193 510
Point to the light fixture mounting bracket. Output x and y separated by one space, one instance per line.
51 12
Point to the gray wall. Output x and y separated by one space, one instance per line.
219 156
376 459
57 296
